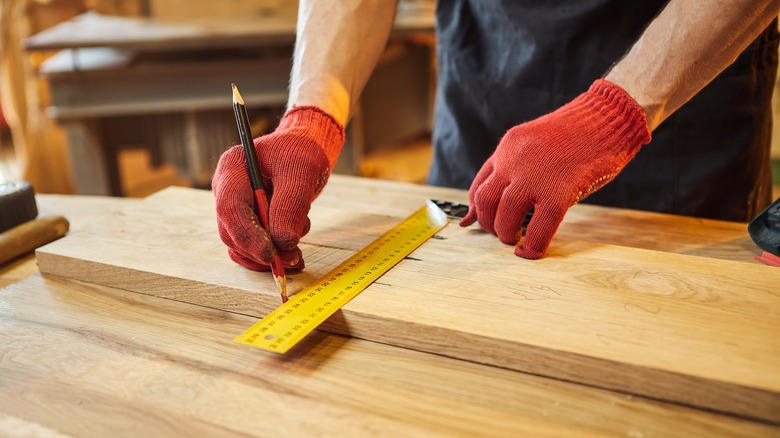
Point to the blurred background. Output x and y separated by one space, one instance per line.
126 97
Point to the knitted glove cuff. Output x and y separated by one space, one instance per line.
620 108
318 126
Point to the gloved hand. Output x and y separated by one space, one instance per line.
554 162
295 160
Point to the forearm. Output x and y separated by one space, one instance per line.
337 47
685 47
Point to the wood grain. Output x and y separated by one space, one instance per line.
78 210
689 329
637 229
84 360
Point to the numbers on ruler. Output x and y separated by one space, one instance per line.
371 261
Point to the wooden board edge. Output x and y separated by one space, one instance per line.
751 403
251 304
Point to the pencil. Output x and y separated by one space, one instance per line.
256 179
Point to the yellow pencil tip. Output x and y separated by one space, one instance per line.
236 95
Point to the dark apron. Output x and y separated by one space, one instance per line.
502 63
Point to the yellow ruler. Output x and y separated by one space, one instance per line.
281 329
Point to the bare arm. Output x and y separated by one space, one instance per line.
685 47
337 47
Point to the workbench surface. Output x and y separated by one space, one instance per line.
78 359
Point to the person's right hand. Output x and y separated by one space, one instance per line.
553 162
295 160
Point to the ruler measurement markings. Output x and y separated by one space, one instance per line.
281 329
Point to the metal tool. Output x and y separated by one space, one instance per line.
459 211
764 229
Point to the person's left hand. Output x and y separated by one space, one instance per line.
554 162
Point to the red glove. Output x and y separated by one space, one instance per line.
295 161
554 162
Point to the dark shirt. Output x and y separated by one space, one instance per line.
501 63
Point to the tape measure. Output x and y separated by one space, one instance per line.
285 326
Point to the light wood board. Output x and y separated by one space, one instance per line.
695 330
91 29
82 360
79 210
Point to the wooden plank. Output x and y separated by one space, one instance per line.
227 10
79 210
84 360
95 30
149 86
689 329
637 229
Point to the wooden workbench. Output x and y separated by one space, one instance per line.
78 359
